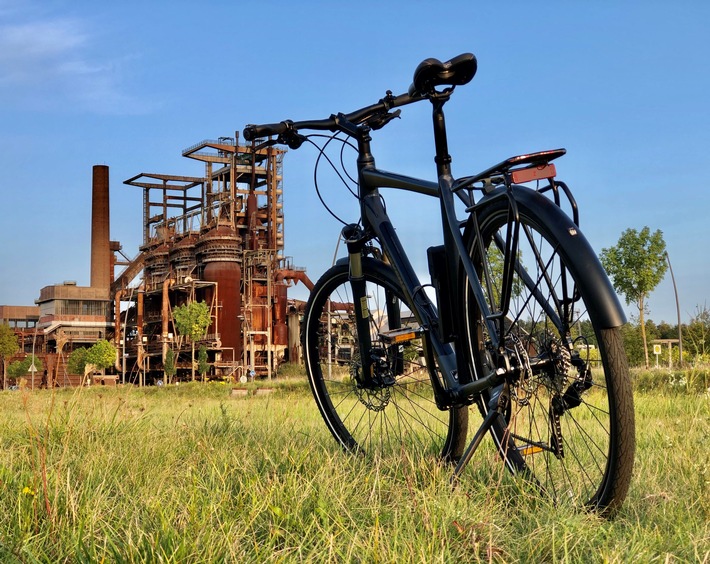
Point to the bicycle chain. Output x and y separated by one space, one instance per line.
556 440
562 365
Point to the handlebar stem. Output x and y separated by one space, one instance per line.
346 126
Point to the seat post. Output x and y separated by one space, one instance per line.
442 158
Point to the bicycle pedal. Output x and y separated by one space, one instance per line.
528 450
401 335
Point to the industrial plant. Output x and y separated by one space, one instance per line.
216 238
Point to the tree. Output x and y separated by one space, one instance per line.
192 320
496 265
202 365
169 368
636 265
22 367
9 345
16 369
667 331
633 343
101 354
77 361
697 333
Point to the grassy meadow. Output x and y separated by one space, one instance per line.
193 473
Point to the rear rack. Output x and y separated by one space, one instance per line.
522 166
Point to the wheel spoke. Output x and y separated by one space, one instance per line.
398 412
561 424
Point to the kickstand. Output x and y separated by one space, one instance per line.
495 407
477 438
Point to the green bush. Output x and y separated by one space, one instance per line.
21 368
685 381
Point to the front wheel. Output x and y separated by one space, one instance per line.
398 413
568 425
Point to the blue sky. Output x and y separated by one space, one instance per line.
623 85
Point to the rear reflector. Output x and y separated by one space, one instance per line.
523 175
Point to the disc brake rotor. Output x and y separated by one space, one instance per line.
374 399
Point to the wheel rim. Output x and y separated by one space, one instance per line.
560 418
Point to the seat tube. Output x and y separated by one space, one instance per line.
443 169
355 240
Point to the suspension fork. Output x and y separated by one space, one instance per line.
355 239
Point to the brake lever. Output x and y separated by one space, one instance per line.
267 143
291 138
378 121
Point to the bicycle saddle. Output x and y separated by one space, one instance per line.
432 73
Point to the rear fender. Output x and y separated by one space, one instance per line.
587 271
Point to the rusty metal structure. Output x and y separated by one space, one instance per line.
217 238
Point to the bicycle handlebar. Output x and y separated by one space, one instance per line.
428 75
334 122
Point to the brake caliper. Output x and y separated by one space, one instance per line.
382 375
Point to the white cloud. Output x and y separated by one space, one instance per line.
52 64
31 52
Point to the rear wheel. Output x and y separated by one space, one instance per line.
569 423
397 414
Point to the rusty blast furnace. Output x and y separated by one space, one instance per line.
217 238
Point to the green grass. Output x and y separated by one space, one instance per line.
190 473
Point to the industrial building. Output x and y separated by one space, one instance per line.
217 238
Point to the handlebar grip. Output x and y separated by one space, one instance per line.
252 132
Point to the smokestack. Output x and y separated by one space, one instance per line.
100 250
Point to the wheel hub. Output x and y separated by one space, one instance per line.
375 396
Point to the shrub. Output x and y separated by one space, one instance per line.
687 381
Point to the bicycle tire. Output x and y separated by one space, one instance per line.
384 420
582 453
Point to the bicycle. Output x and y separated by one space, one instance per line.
521 309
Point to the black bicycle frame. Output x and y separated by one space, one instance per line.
377 224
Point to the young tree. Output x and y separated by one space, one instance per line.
77 361
202 365
192 320
636 265
697 333
9 345
633 343
16 369
101 354
169 368
23 367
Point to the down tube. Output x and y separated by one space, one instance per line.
376 217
